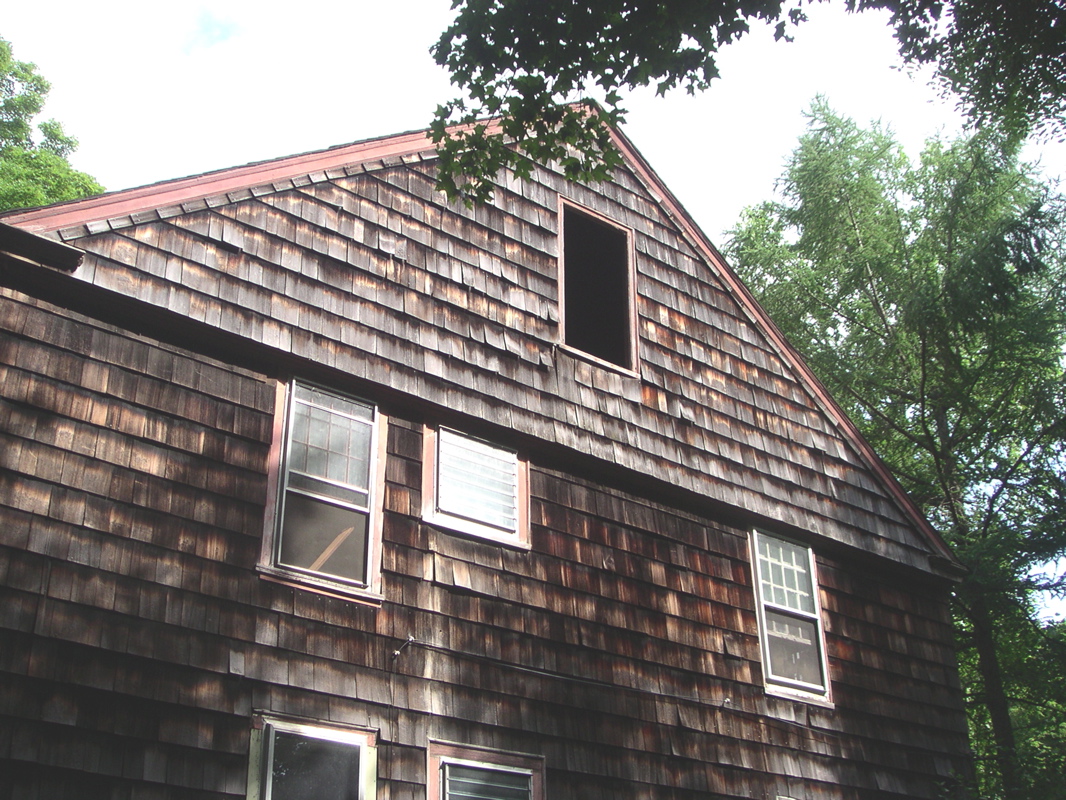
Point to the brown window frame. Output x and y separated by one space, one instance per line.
629 313
435 515
440 754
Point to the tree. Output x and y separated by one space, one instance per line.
33 158
529 61
931 300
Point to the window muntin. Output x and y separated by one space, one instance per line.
295 761
325 529
785 575
789 617
460 772
596 288
330 446
474 486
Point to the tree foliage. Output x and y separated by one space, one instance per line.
931 299
530 61
1005 61
33 155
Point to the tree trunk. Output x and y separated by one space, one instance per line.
995 696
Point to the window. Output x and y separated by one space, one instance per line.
475 487
294 761
596 288
468 773
789 618
326 526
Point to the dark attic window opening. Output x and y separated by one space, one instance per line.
597 304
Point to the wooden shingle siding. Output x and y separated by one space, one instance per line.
375 275
142 633
130 504
136 640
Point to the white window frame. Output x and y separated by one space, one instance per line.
363 587
776 684
443 754
433 512
261 753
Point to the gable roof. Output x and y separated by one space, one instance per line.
443 298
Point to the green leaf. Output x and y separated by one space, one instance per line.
33 170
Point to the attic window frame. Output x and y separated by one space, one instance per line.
777 684
631 367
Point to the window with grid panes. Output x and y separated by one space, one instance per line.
325 504
789 615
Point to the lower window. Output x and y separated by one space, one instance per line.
790 624
458 772
486 783
295 761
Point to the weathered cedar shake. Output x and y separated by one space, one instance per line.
138 640
373 274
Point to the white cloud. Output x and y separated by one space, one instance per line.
210 31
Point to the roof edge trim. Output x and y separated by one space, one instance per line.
787 351
49 219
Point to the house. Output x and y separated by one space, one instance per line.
315 484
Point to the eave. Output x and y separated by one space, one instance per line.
130 202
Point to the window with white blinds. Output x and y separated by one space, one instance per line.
477 481
466 782
789 617
477 487
464 772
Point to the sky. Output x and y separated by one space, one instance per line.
164 90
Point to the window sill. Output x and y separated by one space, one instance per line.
458 525
799 696
596 361
309 583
